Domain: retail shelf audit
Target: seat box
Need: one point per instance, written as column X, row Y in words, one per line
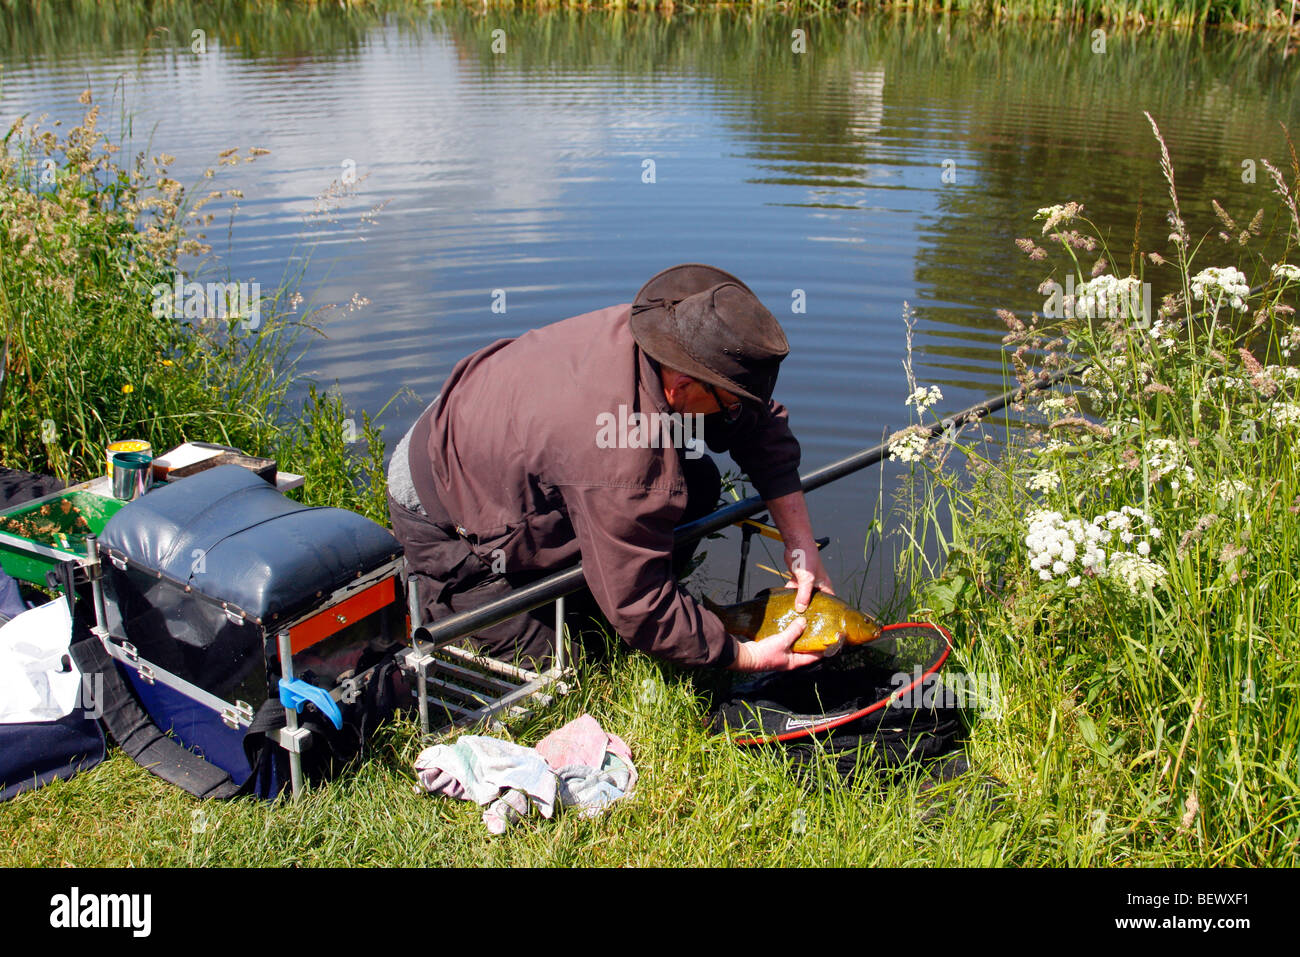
column 200, row 578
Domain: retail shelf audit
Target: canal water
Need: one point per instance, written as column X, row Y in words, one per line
column 447, row 177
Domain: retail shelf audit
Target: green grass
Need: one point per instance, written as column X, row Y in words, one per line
column 700, row 801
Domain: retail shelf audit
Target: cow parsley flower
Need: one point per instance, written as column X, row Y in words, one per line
column 1109, row 297
column 1231, row 488
column 1287, row 272
column 1164, row 456
column 1044, row 480
column 1285, row 415
column 908, row 446
column 924, row 398
column 1227, row 284
column 1135, row 572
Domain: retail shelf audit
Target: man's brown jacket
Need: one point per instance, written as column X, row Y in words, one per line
column 514, row 453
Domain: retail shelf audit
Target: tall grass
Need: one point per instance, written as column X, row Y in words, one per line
column 263, row 26
column 85, row 243
column 1148, row 681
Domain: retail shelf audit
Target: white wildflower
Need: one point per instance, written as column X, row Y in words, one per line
column 1165, row 456
column 1161, row 335
column 924, row 398
column 1044, row 480
column 1220, row 285
column 1285, row 415
column 1135, row 572
column 1288, row 341
column 1109, row 297
column 1231, row 488
column 1287, row 272
column 907, row 447
column 1074, row 582
column 1056, row 215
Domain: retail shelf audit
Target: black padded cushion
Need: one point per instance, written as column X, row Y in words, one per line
column 233, row 538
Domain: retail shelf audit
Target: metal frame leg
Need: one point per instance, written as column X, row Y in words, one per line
column 418, row 659
column 290, row 715
column 559, row 633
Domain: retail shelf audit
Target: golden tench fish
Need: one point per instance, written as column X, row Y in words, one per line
column 830, row 622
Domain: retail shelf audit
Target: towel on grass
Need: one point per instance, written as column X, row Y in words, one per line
column 504, row 778
column 578, row 765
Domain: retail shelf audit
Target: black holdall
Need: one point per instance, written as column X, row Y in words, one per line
column 201, row 577
column 878, row 706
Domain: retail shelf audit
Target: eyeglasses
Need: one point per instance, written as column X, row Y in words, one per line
column 730, row 413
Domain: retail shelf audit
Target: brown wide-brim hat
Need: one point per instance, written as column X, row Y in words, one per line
column 708, row 324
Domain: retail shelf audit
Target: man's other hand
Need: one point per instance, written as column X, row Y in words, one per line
column 806, row 579
column 773, row 652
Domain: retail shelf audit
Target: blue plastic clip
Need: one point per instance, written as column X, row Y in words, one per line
column 294, row 694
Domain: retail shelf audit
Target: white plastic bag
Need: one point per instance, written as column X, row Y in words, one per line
column 33, row 655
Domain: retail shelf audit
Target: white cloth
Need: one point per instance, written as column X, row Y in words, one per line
column 33, row 654
column 505, row 778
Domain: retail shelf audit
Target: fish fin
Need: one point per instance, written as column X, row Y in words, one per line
column 710, row 604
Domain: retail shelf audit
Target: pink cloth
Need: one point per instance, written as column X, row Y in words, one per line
column 582, row 741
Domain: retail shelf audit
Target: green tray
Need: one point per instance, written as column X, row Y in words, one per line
column 30, row 542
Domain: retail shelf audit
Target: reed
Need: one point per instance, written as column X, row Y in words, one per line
column 262, row 25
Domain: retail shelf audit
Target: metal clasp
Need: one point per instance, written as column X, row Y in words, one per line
column 240, row 713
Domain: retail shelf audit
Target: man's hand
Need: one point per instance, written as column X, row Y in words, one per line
column 790, row 512
column 808, row 575
column 773, row 652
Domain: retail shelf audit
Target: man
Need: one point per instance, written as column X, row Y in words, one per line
column 526, row 463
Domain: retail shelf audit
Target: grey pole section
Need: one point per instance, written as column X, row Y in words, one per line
column 559, row 633
column 421, row 659
column 571, row 579
column 290, row 715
